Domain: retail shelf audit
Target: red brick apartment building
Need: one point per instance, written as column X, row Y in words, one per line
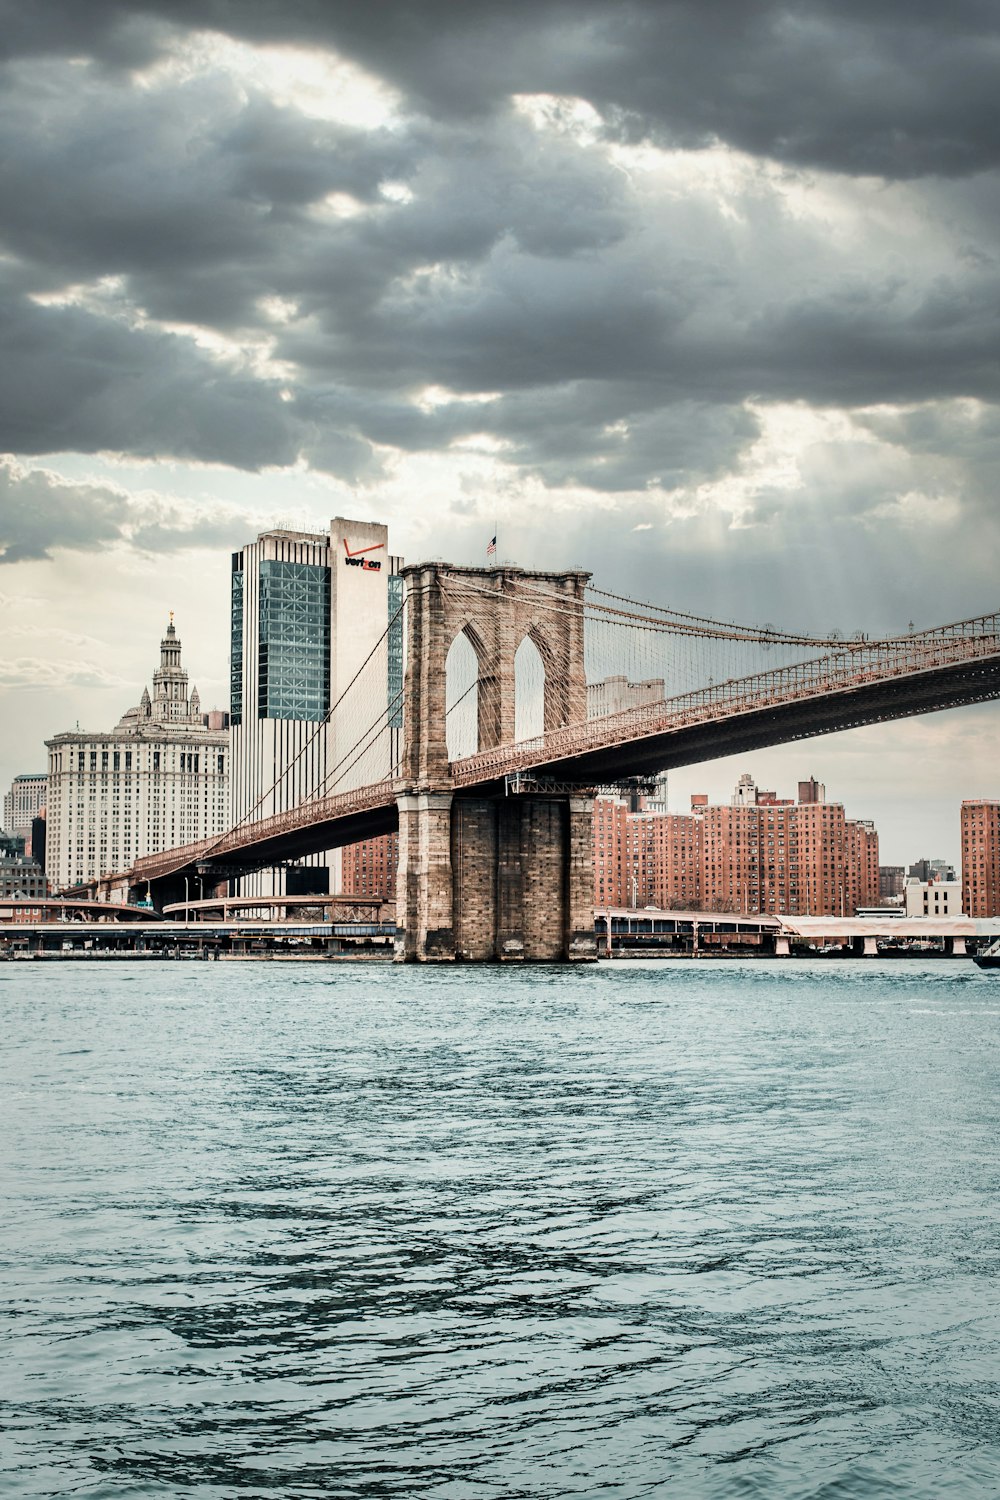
column 981, row 857
column 760, row 854
column 369, row 868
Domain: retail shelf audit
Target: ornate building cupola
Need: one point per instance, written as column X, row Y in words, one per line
column 145, row 706
column 170, row 682
column 170, row 648
column 195, row 707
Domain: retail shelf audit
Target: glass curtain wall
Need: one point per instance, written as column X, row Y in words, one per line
column 294, row 643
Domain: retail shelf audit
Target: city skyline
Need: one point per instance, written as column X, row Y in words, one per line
column 727, row 339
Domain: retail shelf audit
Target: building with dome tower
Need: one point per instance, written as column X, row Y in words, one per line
column 158, row 779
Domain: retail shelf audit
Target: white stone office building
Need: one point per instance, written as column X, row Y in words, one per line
column 23, row 802
column 308, row 611
column 614, row 695
column 158, row 779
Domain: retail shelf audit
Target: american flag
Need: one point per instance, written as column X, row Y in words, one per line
column 491, row 547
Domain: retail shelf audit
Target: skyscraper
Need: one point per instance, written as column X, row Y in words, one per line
column 317, row 677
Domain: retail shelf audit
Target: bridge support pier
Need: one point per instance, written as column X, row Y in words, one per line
column 424, row 895
column 495, row 879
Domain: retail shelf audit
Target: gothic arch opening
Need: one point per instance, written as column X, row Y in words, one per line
column 529, row 692
column 461, row 698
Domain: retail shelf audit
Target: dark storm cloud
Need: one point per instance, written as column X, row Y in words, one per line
column 545, row 324
column 959, row 444
column 71, row 380
column 195, row 193
column 893, row 88
column 40, row 515
column 620, row 334
column 886, row 341
column 37, row 515
column 763, row 312
column 573, row 436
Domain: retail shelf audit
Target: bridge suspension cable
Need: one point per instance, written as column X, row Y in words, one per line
column 321, row 724
column 677, row 622
column 351, row 757
column 626, row 642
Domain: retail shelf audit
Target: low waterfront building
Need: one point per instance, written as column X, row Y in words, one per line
column 933, row 898
column 160, row 778
column 21, row 876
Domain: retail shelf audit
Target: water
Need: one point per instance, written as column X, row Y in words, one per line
column 682, row 1229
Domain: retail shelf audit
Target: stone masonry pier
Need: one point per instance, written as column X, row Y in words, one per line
column 488, row 876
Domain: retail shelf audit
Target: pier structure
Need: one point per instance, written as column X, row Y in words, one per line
column 623, row 933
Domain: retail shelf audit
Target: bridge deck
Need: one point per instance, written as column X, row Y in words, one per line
column 956, row 665
column 814, row 697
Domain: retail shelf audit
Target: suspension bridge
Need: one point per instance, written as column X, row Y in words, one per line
column 525, row 691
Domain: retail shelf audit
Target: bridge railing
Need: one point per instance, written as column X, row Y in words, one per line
column 854, row 666
column 319, row 810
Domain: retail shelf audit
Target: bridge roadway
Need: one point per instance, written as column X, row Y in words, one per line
column 950, row 667
column 79, row 908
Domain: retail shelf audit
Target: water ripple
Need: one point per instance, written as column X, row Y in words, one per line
column 711, row 1229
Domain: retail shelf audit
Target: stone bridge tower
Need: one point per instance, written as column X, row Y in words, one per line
column 486, row 875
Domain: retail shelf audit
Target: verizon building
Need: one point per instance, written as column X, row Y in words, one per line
column 309, row 611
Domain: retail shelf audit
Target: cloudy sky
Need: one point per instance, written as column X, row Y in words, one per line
column 703, row 297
